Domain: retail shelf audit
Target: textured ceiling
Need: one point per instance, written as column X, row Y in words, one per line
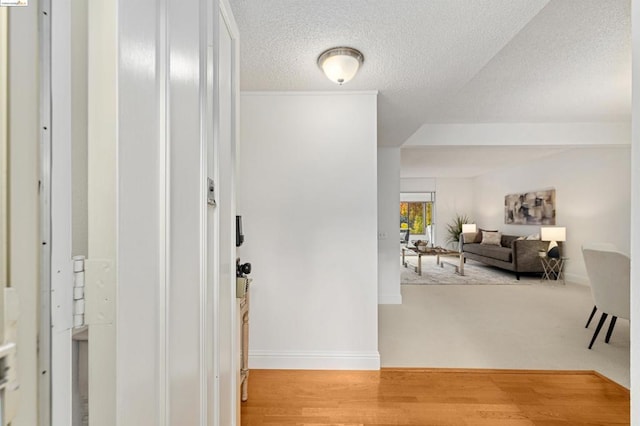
column 449, row 60
column 571, row 63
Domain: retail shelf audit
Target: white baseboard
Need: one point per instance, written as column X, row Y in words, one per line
column 390, row 299
column 269, row 360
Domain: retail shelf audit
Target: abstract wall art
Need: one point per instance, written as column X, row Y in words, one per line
column 531, row 208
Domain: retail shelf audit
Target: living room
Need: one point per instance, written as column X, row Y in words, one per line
column 592, row 186
column 545, row 318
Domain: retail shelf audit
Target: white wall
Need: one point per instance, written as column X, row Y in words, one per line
column 308, row 198
column 24, row 244
column 417, row 184
column 454, row 196
column 388, row 225
column 592, row 198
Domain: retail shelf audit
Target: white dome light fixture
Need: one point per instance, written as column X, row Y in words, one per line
column 340, row 64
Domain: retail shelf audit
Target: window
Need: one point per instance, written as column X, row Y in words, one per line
column 415, row 215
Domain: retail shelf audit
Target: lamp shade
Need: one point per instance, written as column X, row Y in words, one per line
column 340, row 64
column 553, row 233
column 468, row 227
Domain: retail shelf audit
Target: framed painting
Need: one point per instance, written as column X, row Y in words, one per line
column 531, row 208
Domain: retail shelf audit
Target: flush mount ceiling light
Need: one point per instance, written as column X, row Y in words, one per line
column 340, row 64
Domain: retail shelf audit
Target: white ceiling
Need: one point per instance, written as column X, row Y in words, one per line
column 450, row 61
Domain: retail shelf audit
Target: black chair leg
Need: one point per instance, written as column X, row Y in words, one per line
column 517, row 276
column 603, row 318
column 591, row 316
column 610, row 331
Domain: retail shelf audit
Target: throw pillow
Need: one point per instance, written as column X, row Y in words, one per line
column 533, row 237
column 491, row 238
column 468, row 237
column 520, row 238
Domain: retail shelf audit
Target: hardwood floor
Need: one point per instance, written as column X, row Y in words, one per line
column 434, row 397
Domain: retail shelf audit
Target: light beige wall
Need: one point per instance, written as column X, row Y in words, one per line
column 23, row 118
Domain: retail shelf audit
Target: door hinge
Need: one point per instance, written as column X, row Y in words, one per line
column 78, row 291
column 100, row 292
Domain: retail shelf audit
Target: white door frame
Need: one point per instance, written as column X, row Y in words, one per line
column 56, row 303
column 44, row 336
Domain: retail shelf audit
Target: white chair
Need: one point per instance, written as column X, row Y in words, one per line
column 609, row 275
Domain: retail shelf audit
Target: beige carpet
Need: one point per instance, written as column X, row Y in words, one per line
column 535, row 326
column 475, row 273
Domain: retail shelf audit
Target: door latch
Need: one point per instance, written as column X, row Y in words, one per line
column 211, row 192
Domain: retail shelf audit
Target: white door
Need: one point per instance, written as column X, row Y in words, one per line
column 224, row 170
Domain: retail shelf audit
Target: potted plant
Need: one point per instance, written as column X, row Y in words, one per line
column 454, row 229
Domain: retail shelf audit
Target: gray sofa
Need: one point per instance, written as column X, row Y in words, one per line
column 513, row 254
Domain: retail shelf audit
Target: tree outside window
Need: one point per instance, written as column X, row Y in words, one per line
column 415, row 215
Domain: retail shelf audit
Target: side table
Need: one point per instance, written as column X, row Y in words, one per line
column 553, row 268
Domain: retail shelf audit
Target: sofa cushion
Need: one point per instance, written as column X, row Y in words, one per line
column 494, row 252
column 491, row 238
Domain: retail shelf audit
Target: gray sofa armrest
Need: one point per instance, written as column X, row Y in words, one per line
column 525, row 255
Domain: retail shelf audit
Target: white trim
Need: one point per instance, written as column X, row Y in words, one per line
column 227, row 14
column 164, row 215
column 227, row 248
column 44, row 336
column 4, row 120
column 104, row 205
column 61, row 212
column 309, row 93
column 635, row 209
column 314, row 360
column 205, row 331
column 213, row 235
column 390, row 299
column 234, row 133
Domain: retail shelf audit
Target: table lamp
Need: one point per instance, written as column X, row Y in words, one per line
column 468, row 227
column 553, row 234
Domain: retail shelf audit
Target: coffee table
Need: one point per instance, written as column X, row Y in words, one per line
column 438, row 251
column 459, row 265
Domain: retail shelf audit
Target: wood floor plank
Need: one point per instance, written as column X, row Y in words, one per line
column 439, row 397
